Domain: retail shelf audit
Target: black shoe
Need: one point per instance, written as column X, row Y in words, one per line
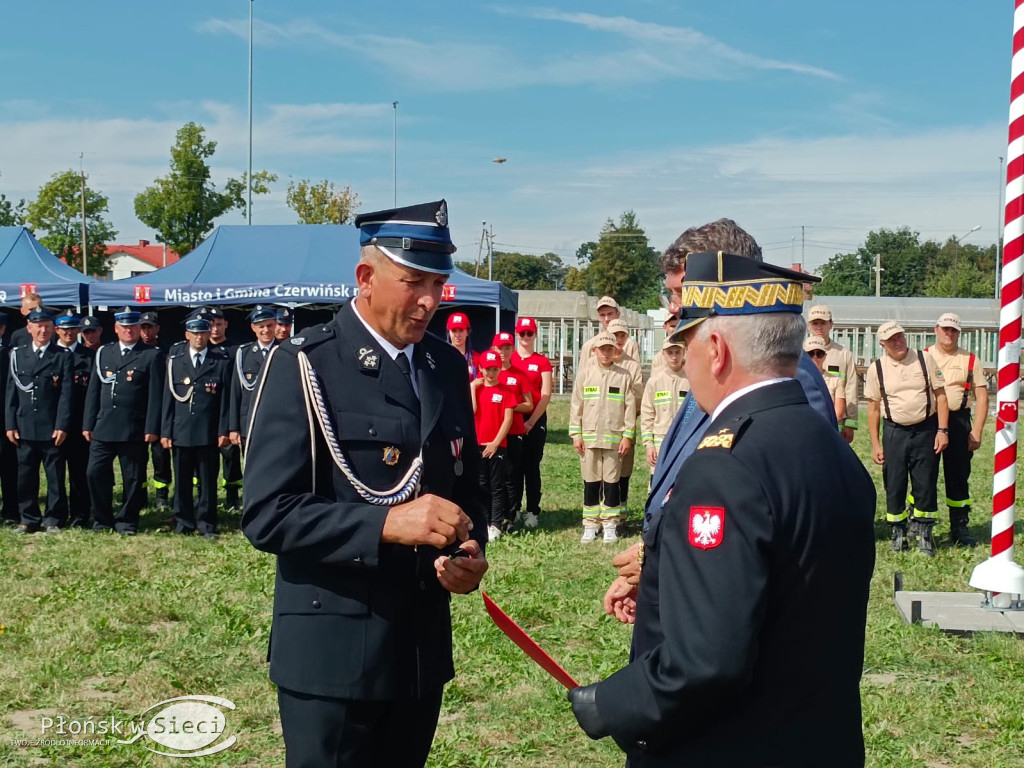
column 899, row 537
column 184, row 531
column 231, row 498
column 925, row 543
column 161, row 499
column 24, row 529
column 211, row 536
column 128, row 532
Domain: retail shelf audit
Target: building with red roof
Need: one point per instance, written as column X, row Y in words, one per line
column 132, row 260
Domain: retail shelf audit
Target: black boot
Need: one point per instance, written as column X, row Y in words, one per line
column 161, row 499
column 959, row 533
column 231, row 497
column 925, row 542
column 899, row 536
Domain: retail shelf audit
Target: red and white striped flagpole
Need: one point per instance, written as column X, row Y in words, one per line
column 1000, row 576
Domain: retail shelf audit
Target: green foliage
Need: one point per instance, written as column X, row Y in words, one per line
column 11, row 214
column 621, row 264
column 525, row 271
column 321, row 202
column 182, row 205
column 55, row 218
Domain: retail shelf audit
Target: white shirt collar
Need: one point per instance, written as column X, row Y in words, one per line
column 70, row 346
column 387, row 346
column 745, row 390
column 125, row 346
column 36, row 350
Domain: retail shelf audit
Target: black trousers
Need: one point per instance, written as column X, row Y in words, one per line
column 492, row 480
column 161, row 465
column 345, row 733
column 533, row 454
column 514, row 476
column 9, row 480
column 200, row 462
column 956, row 461
column 232, row 456
column 100, row 476
column 32, row 453
column 75, row 453
column 910, row 454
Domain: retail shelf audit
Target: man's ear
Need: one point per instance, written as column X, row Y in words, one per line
column 718, row 352
column 364, row 273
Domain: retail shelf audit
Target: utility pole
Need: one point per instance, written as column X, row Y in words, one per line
column 248, row 204
column 490, row 254
column 803, row 247
column 878, row 275
column 480, row 249
column 85, row 250
column 394, row 144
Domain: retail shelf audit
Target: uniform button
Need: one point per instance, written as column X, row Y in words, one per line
column 316, row 603
column 373, row 431
column 426, row 444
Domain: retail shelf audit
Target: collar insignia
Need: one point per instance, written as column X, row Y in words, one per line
column 723, row 439
column 297, row 340
column 430, row 362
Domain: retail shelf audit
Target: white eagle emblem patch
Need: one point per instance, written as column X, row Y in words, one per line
column 706, row 525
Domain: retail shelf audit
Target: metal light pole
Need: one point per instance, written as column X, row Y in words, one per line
column 956, row 253
column 248, row 201
column 394, row 141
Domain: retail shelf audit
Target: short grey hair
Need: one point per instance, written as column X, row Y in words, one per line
column 766, row 345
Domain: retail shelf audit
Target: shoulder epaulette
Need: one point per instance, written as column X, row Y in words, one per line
column 727, row 436
column 309, row 338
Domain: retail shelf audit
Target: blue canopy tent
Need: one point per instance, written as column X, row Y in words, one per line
column 27, row 267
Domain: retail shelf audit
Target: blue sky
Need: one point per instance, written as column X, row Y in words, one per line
column 836, row 117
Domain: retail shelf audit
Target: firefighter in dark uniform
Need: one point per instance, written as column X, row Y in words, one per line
column 771, row 514
column 122, row 415
column 905, row 388
column 195, row 424
column 149, row 327
column 231, row 454
column 285, row 323
column 75, row 450
column 8, row 453
column 92, row 332
column 38, row 419
column 361, row 476
column 962, row 375
column 245, row 369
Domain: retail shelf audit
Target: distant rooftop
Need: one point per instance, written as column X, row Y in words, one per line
column 911, row 313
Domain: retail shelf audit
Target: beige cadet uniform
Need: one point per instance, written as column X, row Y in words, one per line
column 663, row 397
column 632, row 365
column 839, row 361
column 630, row 349
column 835, row 385
column 909, row 411
column 959, row 376
column 658, row 362
column 602, row 412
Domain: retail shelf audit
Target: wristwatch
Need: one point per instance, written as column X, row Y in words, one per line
column 944, row 430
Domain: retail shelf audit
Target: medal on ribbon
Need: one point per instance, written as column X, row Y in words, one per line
column 457, row 453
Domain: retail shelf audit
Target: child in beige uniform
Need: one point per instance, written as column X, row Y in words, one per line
column 817, row 348
column 663, row 397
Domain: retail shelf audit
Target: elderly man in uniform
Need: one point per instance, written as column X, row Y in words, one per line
column 75, row 451
column 194, row 424
column 38, row 419
column 245, row 370
column 122, row 414
column 362, row 479
column 8, row 453
column 691, row 422
column 729, row 667
column 285, row 321
column 839, row 361
column 962, row 374
column 905, row 387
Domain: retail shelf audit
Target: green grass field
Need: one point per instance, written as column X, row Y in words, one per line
column 105, row 626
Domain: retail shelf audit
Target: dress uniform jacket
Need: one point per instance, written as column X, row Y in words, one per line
column 663, row 397
column 81, row 361
column 603, row 407
column 355, row 618
column 839, row 362
column 245, row 371
column 748, row 647
column 195, row 403
column 128, row 407
column 47, row 405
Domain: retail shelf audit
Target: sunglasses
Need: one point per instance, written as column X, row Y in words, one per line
column 816, row 353
column 527, row 333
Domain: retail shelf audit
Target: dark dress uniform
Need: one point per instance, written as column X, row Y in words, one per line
column 245, row 371
column 195, row 414
column 359, row 627
column 231, row 455
column 160, row 456
column 8, row 452
column 748, row 646
column 122, row 407
column 39, row 402
column 76, row 448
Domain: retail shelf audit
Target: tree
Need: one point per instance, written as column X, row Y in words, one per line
column 321, row 203
column 622, row 264
column 966, row 272
column 11, row 214
column 846, row 274
column 57, row 214
column 182, row 205
column 905, row 265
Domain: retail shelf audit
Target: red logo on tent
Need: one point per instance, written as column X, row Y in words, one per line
column 143, row 293
column 27, row 288
column 448, row 292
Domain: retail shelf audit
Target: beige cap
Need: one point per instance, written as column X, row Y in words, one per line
column 617, row 326
column 887, row 330
column 949, row 320
column 819, row 312
column 607, row 301
column 815, row 342
column 669, row 343
column 603, row 339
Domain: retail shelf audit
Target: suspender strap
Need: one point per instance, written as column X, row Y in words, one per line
column 881, row 388
column 970, row 381
column 927, row 385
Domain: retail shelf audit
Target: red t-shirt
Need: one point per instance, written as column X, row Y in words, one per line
column 515, row 380
column 491, row 404
column 533, row 366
